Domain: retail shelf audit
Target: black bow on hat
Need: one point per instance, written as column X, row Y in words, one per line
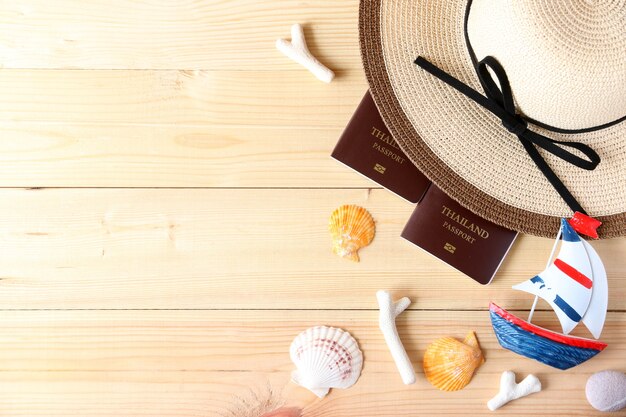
column 499, row 101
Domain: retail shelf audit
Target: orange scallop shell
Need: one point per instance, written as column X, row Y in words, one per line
column 351, row 227
column 450, row 364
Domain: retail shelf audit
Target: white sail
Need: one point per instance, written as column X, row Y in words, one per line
column 567, row 283
column 596, row 312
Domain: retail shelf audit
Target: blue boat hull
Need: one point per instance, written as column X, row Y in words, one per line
column 556, row 354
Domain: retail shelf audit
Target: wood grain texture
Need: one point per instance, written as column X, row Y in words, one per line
column 173, row 279
column 191, row 34
column 105, row 155
column 197, row 363
column 188, row 248
column 224, row 394
column 173, row 128
column 292, row 99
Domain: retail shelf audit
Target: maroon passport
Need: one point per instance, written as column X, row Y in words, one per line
column 367, row 147
column 463, row 240
column 439, row 225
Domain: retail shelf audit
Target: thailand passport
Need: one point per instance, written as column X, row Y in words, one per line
column 463, row 240
column 439, row 225
column 367, row 147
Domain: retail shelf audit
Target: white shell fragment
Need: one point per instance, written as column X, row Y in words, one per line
column 325, row 357
column 387, row 322
column 510, row 391
column 299, row 52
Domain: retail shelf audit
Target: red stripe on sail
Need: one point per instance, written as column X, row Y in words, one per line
column 573, row 273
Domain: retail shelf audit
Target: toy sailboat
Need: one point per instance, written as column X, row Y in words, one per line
column 574, row 284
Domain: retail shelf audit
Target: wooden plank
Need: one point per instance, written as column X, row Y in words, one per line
column 104, row 155
column 234, row 249
column 223, row 394
column 189, row 363
column 153, row 34
column 197, row 97
column 233, row 341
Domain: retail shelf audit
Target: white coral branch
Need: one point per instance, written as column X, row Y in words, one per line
column 510, row 391
column 298, row 51
column 387, row 321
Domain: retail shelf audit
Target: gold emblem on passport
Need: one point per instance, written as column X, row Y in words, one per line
column 379, row 168
column 450, row 248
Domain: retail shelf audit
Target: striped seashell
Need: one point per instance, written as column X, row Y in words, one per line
column 325, row 357
column 352, row 227
column 450, row 364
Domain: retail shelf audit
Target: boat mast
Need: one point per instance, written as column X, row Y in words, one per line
column 556, row 241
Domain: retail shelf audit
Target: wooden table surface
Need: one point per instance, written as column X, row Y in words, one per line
column 166, row 185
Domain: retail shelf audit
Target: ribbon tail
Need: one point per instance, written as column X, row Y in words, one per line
column 554, row 180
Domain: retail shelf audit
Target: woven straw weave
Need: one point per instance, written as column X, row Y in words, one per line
column 568, row 70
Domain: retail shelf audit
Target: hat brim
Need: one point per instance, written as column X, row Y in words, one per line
column 500, row 207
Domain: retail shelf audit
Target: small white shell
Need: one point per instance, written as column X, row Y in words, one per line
column 325, row 357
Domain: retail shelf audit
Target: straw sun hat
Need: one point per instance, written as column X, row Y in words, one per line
column 515, row 108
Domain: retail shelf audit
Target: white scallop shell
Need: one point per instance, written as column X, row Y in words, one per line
column 325, row 357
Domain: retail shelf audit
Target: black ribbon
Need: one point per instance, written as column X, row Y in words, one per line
column 499, row 101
